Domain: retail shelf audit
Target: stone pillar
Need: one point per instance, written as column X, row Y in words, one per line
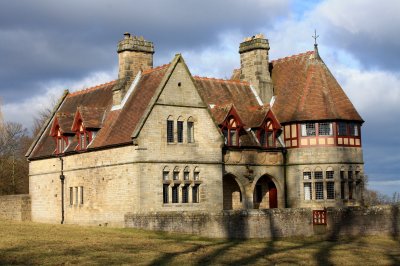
column 254, row 66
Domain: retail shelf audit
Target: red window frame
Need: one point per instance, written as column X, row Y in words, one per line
column 231, row 130
column 84, row 137
column 267, row 128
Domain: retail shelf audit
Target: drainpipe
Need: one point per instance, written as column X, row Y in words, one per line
column 62, row 178
column 284, row 153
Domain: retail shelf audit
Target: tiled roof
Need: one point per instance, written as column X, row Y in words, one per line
column 94, row 105
column 220, row 95
column 304, row 87
column 306, row 90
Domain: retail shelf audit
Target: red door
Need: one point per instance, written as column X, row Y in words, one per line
column 273, row 195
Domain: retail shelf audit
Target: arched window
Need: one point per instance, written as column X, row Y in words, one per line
column 165, row 175
column 231, row 132
column 190, row 130
column 179, row 129
column 266, row 135
column 170, row 129
column 175, row 174
column 186, row 173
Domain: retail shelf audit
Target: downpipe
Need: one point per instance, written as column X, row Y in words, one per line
column 62, row 178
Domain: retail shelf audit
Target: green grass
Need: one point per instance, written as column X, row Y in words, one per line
column 44, row 244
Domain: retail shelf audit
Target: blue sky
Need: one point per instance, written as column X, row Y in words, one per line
column 47, row 47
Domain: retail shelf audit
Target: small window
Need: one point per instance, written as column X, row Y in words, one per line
column 319, row 190
column 306, row 175
column 330, row 190
column 165, row 175
column 318, row 175
column 185, row 194
column 186, row 173
column 350, row 190
column 263, row 138
column 81, row 195
column 170, row 131
column 195, row 194
column 350, row 175
column 353, row 129
column 329, row 174
column 342, row 174
column 175, row 194
column 76, row 195
column 307, row 191
column 176, row 175
column 196, row 174
column 190, row 132
column 342, row 188
column 71, row 196
column 308, row 129
column 325, row 129
column 179, row 127
column 342, row 129
column 165, row 193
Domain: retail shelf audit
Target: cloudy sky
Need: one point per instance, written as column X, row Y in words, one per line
column 46, row 47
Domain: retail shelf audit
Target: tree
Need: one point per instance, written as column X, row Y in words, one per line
column 13, row 165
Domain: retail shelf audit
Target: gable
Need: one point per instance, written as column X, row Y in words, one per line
column 180, row 89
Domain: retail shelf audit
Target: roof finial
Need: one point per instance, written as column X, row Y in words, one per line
column 315, row 44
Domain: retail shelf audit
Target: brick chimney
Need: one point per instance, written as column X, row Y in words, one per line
column 134, row 54
column 254, row 66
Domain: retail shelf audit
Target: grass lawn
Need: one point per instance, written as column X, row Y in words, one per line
column 33, row 243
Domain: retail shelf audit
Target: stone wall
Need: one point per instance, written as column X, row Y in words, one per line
column 273, row 223
column 15, row 207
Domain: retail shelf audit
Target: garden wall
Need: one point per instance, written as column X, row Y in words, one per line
column 274, row 223
column 15, row 207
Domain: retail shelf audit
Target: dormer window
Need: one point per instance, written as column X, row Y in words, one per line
column 61, row 142
column 231, row 132
column 266, row 135
column 84, row 137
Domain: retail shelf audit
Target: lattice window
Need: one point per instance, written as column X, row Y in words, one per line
column 165, row 193
column 307, row 191
column 330, row 190
column 307, row 175
column 329, row 174
column 342, row 129
column 195, row 194
column 170, row 131
column 179, row 127
column 318, row 175
column 319, row 217
column 353, row 129
column 190, row 131
column 308, row 129
column 175, row 194
column 319, row 190
column 325, row 129
column 185, row 194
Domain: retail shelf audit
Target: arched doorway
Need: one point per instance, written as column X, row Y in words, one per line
column 265, row 194
column 232, row 195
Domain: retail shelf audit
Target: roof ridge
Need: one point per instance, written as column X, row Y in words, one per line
column 291, row 57
column 222, row 80
column 90, row 89
column 150, row 70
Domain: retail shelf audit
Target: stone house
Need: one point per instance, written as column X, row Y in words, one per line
column 278, row 134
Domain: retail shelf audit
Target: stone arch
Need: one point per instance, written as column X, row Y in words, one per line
column 232, row 193
column 265, row 193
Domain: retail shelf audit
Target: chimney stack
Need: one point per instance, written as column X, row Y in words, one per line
column 134, row 54
column 254, row 66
